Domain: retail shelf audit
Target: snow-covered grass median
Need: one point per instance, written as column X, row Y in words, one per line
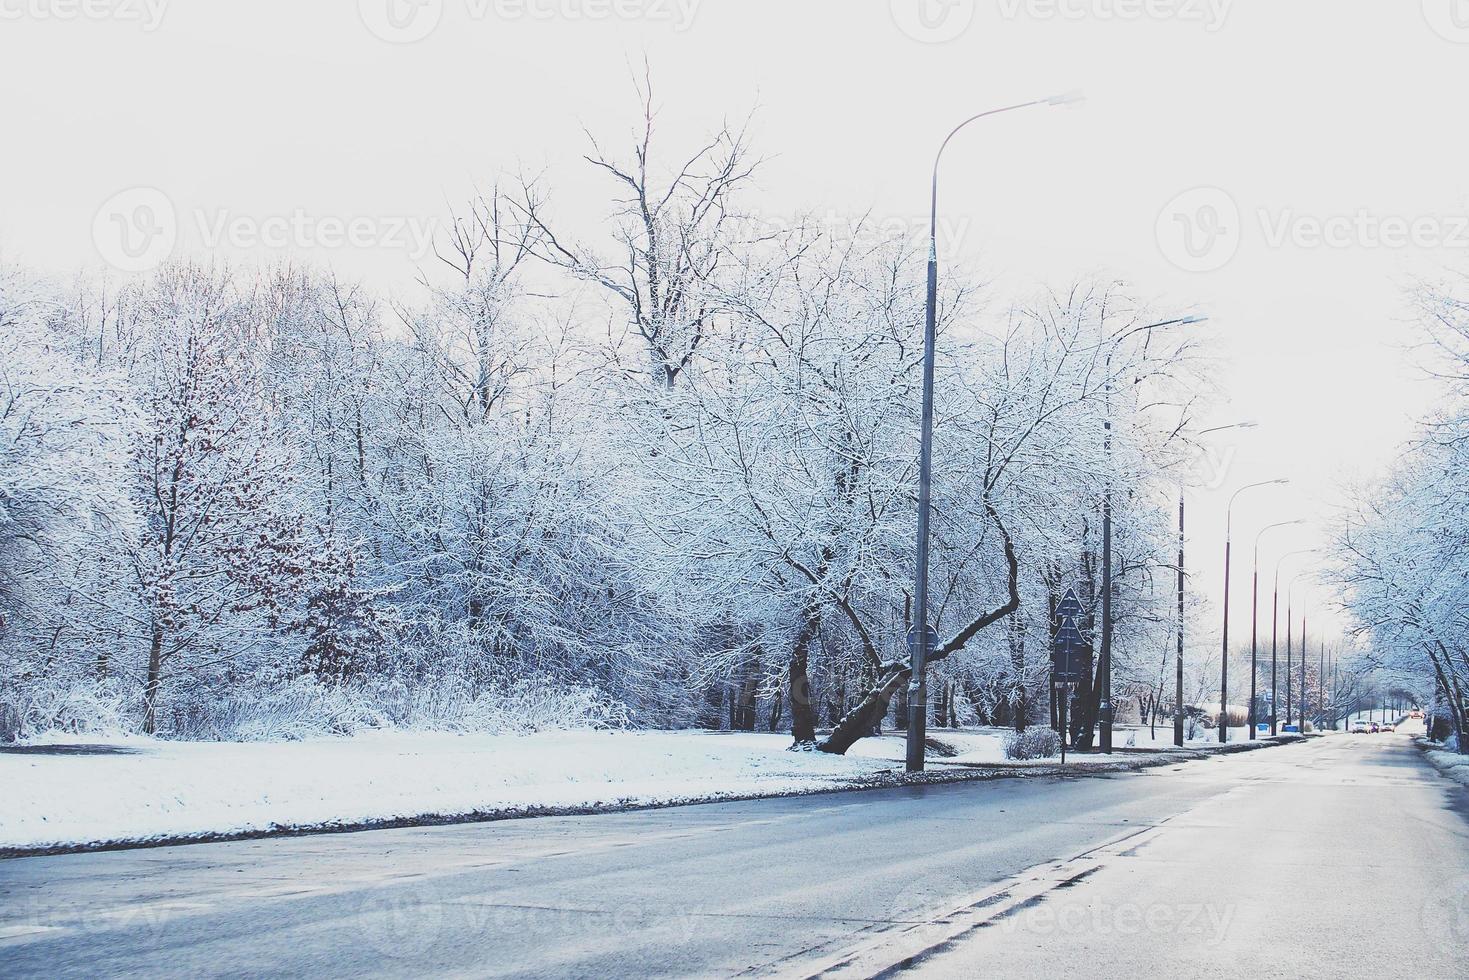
column 60, row 792
column 137, row 789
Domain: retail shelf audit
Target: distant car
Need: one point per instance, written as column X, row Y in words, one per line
column 1361, row 728
column 1388, row 726
column 1416, row 715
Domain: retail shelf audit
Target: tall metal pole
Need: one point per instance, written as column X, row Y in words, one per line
column 1255, row 628
column 1321, row 683
column 917, row 688
column 1288, row 663
column 1274, row 631
column 1224, row 659
column 1303, row 669
column 1104, row 665
column 1274, row 635
column 1254, row 634
column 1178, row 665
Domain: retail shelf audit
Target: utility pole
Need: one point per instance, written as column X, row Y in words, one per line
column 1178, row 664
column 1274, row 632
column 1303, row 671
column 1224, row 660
column 1255, row 637
column 1289, row 624
column 1104, row 656
column 917, row 690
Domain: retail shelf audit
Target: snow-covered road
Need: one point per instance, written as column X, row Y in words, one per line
column 1345, row 857
column 1337, row 840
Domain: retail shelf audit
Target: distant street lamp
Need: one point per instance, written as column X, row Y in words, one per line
column 1104, row 654
column 1290, row 589
column 1255, row 619
column 917, row 691
column 1274, row 633
column 1178, row 660
column 1228, row 546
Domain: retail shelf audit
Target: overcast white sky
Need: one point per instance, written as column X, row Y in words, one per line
column 1286, row 115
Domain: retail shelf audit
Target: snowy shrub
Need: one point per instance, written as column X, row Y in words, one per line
column 508, row 708
column 297, row 709
column 1033, row 743
column 78, row 707
column 306, row 707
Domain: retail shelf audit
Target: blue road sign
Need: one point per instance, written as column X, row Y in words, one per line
column 1068, row 651
column 933, row 641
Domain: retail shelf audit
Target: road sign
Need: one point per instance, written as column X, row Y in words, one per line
column 1068, row 651
column 932, row 645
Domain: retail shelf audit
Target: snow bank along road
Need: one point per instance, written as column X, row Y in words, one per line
column 1342, row 855
column 59, row 795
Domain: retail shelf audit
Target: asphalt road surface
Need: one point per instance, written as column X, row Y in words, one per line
column 1346, row 856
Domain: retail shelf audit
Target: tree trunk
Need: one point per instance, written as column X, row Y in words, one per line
column 742, row 707
column 803, row 712
column 154, row 680
column 859, row 722
column 1018, row 701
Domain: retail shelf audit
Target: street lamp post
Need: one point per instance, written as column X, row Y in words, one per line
column 1274, row 633
column 1255, row 620
column 1104, row 654
column 1228, row 547
column 1302, row 714
column 1178, row 660
column 1321, row 683
column 1289, row 643
column 917, row 691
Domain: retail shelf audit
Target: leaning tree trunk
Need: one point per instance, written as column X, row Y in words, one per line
column 869, row 712
column 873, row 707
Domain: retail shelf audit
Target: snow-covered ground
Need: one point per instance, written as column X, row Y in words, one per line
column 139, row 789
column 66, row 791
column 1161, row 737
